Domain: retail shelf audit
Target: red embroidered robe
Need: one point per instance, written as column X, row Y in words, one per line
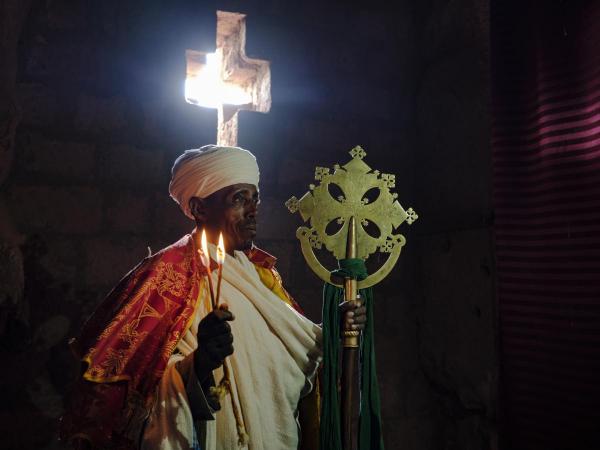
column 127, row 342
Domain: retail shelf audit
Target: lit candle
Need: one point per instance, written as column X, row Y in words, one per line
column 205, row 257
column 220, row 262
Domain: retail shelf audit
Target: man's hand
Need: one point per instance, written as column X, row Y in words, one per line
column 354, row 316
column 215, row 342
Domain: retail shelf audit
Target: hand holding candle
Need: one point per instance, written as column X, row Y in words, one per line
column 221, row 311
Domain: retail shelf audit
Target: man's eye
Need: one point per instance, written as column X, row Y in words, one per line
column 241, row 199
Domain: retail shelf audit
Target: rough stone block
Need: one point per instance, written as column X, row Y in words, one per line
column 365, row 96
column 108, row 260
column 88, row 298
column 9, row 121
column 345, row 59
column 294, row 173
column 463, row 23
column 100, row 115
column 275, row 221
column 11, row 275
column 64, row 161
column 392, row 377
column 415, row 433
column 47, row 61
column 152, row 112
column 128, row 165
column 16, row 424
column 328, row 141
column 454, row 161
column 457, row 316
column 168, row 222
column 41, row 107
column 66, row 15
column 63, row 260
column 76, row 210
column 401, row 381
column 396, row 330
column 45, row 397
column 128, row 212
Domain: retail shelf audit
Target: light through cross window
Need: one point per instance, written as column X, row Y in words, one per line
column 207, row 88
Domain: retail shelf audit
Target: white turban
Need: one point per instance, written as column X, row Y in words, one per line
column 203, row 171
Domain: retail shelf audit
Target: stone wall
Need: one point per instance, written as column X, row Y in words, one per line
column 99, row 86
column 455, row 312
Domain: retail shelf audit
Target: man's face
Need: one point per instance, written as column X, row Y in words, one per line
column 232, row 211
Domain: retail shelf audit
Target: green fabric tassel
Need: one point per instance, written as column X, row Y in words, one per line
column 369, row 434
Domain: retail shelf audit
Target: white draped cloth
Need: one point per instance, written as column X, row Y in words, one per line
column 276, row 355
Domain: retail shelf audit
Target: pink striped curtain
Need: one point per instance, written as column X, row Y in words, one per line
column 546, row 163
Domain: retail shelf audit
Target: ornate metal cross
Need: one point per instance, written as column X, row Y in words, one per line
column 227, row 79
column 354, row 180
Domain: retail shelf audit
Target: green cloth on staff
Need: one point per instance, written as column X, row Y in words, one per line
column 369, row 434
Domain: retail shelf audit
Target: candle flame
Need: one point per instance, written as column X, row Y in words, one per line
column 204, row 254
column 221, row 250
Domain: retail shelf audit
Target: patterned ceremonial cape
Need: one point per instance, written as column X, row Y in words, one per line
column 127, row 342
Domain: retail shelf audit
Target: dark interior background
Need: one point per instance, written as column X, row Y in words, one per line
column 92, row 116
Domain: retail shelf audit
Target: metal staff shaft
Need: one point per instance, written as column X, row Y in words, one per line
column 350, row 348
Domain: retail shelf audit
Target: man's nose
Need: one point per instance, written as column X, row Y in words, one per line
column 251, row 209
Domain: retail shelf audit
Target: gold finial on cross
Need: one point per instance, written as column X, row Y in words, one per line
column 227, row 79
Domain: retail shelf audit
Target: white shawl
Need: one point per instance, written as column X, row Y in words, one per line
column 276, row 354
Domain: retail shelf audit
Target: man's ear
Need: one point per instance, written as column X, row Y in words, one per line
column 198, row 209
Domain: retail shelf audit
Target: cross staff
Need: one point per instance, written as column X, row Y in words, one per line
column 227, row 79
column 351, row 244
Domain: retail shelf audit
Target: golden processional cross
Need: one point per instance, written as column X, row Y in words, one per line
column 320, row 208
column 366, row 224
column 227, row 79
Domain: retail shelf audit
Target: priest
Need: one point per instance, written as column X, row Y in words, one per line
column 153, row 353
